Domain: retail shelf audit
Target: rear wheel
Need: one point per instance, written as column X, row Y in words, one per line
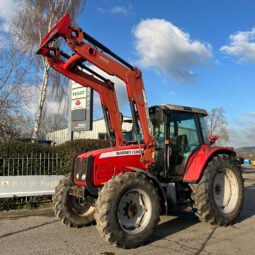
column 71, row 210
column 127, row 210
column 218, row 197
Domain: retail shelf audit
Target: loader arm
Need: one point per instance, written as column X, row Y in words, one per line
column 73, row 68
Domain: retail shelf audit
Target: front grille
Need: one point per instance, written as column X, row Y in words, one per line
column 80, row 165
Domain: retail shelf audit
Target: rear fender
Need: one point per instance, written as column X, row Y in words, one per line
column 198, row 161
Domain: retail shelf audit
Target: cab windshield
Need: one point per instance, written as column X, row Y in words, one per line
column 130, row 136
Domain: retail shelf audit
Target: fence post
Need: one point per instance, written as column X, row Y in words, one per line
column 27, row 165
column 22, row 165
column 56, row 163
column 31, row 163
column 18, row 165
column 44, row 163
column 4, row 167
column 48, row 161
column 8, row 169
column 40, row 163
column 13, row 168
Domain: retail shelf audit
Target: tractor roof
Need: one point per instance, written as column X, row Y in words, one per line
column 183, row 108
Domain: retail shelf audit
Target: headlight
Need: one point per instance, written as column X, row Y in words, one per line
column 83, row 177
column 77, row 176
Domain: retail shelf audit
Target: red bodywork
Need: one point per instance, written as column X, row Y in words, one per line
column 198, row 160
column 107, row 163
column 113, row 161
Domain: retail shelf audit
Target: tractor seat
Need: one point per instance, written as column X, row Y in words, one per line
column 181, row 143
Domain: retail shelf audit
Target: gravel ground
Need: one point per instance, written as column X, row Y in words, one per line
column 39, row 232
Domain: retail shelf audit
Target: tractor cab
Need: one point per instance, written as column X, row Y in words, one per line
column 179, row 131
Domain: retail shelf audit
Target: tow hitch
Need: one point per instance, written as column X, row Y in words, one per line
column 77, row 191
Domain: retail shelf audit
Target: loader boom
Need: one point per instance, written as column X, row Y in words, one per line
column 109, row 62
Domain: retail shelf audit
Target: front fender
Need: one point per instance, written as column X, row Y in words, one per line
column 199, row 159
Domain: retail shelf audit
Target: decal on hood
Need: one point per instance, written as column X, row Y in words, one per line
column 120, row 153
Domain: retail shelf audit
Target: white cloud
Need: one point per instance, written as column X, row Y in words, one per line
column 116, row 10
column 242, row 46
column 101, row 10
column 243, row 136
column 120, row 88
column 163, row 45
column 119, row 10
column 52, row 105
column 252, row 114
column 7, row 9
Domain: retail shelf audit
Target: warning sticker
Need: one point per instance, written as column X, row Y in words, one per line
column 5, row 184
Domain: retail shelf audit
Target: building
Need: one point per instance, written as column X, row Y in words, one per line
column 98, row 132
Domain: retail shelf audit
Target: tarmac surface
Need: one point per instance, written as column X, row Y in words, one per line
column 39, row 232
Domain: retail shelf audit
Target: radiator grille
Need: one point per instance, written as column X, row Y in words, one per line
column 80, row 165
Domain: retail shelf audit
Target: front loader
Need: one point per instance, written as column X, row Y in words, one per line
column 166, row 162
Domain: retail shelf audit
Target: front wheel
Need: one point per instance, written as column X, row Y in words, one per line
column 127, row 210
column 219, row 195
column 71, row 210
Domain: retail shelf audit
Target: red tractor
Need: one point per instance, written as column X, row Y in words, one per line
column 165, row 162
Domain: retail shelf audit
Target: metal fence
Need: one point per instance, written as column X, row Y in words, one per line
column 31, row 164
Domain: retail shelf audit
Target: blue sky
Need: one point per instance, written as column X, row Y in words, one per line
column 191, row 52
column 224, row 78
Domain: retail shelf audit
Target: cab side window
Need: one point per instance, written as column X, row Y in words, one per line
column 184, row 140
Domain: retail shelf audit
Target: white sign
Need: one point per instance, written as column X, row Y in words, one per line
column 76, row 85
column 5, row 184
column 79, row 125
column 28, row 185
column 79, row 104
column 79, row 93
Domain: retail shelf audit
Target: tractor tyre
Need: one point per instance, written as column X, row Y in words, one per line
column 218, row 196
column 127, row 210
column 71, row 210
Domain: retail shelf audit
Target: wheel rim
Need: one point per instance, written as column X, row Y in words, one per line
column 79, row 207
column 134, row 211
column 226, row 190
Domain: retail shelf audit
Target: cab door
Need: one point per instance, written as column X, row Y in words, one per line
column 184, row 140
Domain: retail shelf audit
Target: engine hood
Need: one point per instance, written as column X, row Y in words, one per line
column 112, row 161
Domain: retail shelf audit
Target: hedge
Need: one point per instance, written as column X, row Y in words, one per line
column 70, row 149
column 65, row 152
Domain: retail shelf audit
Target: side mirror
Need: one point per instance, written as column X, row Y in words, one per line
column 159, row 115
column 213, row 139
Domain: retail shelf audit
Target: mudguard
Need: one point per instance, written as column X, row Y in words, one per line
column 199, row 158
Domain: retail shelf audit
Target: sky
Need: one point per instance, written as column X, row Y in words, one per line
column 191, row 52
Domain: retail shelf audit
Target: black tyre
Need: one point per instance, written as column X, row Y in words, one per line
column 127, row 210
column 71, row 210
column 219, row 195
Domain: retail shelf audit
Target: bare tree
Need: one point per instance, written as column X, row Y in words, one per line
column 33, row 21
column 217, row 125
column 14, row 80
column 52, row 122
